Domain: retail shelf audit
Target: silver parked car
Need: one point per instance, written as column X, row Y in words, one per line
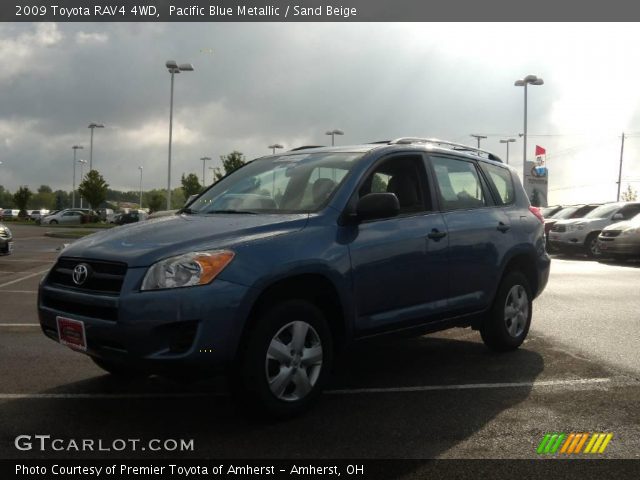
column 65, row 217
column 6, row 240
column 621, row 240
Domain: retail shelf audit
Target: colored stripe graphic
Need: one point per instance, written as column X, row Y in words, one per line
column 573, row 443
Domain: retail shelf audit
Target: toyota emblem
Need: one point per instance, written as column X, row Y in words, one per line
column 80, row 273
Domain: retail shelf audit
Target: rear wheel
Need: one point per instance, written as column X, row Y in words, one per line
column 286, row 361
column 508, row 322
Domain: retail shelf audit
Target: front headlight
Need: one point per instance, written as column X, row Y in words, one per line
column 195, row 268
column 573, row 228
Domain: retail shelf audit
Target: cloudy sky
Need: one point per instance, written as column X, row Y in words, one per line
column 256, row 84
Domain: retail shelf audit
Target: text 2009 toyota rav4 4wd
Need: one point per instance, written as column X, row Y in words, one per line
column 288, row 259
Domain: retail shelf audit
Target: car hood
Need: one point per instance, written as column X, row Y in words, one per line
column 621, row 225
column 141, row 244
column 584, row 221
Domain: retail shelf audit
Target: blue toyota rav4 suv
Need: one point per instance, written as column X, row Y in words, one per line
column 285, row 261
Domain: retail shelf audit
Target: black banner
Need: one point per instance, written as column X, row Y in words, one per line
column 289, row 469
column 318, row 11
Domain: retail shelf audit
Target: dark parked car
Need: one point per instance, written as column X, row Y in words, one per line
column 129, row 217
column 6, row 240
column 293, row 256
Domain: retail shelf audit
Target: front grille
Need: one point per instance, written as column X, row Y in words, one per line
column 559, row 228
column 104, row 277
column 611, row 233
column 76, row 307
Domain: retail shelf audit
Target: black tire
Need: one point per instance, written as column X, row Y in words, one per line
column 53, row 222
column 118, row 369
column 591, row 245
column 250, row 380
column 499, row 332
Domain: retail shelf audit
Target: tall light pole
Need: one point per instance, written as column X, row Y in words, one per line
column 528, row 80
column 333, row 133
column 73, row 190
column 92, row 126
column 478, row 138
column 204, row 159
column 273, row 147
column 140, row 168
column 173, row 68
column 82, row 164
column 508, row 141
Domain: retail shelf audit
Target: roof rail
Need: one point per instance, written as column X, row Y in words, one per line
column 304, row 147
column 454, row 146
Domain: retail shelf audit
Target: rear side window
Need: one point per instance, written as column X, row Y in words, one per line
column 459, row 184
column 502, row 182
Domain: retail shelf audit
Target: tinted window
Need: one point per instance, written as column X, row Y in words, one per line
column 502, row 181
column 459, row 184
column 630, row 211
column 402, row 176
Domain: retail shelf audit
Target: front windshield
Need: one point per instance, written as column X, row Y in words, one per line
column 564, row 213
column 603, row 211
column 297, row 183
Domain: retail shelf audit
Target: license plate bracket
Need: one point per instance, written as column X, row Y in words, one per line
column 72, row 333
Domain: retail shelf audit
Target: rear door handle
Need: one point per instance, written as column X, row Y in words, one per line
column 503, row 227
column 436, row 235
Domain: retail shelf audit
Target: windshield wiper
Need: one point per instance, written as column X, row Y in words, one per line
column 246, row 212
column 188, row 211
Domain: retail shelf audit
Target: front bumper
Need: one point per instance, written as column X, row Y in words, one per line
column 619, row 246
column 186, row 330
column 567, row 240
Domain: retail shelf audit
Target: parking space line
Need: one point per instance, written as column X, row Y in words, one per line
column 25, row 260
column 23, row 278
column 11, row 325
column 18, row 291
column 472, row 386
column 118, row 396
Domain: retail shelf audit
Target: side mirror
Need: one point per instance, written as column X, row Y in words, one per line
column 618, row 216
column 377, row 205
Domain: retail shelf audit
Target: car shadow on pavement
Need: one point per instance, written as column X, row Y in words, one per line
column 343, row 424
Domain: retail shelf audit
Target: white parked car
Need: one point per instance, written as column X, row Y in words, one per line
column 38, row 214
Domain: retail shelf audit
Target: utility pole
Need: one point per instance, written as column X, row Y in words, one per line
column 620, row 169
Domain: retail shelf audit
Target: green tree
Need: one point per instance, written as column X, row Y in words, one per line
column 94, row 189
column 61, row 200
column 629, row 195
column 535, row 198
column 156, row 201
column 190, row 185
column 21, row 198
column 230, row 162
column 45, row 198
column 6, row 199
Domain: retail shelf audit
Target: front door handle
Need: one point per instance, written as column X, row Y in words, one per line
column 503, row 227
column 436, row 235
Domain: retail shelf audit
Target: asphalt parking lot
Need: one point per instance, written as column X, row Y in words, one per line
column 439, row 396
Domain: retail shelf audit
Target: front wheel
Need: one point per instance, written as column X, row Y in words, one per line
column 53, row 222
column 507, row 324
column 286, row 361
column 591, row 245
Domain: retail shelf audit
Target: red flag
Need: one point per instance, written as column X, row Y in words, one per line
column 540, row 151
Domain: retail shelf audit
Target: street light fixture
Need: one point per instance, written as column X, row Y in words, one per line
column 528, row 80
column 140, row 168
column 508, row 141
column 333, row 133
column 173, row 68
column 82, row 164
column 204, row 159
column 479, row 137
column 274, row 146
column 73, row 190
column 93, row 126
